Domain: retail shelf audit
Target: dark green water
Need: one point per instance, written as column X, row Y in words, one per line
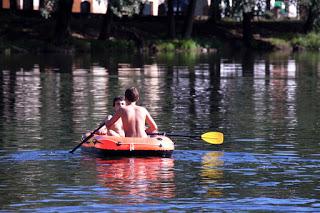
column 266, row 105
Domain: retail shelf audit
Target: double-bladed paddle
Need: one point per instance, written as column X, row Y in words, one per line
column 87, row 138
column 209, row 137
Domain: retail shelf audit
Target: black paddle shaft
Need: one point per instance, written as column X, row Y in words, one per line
column 87, row 138
column 174, row 135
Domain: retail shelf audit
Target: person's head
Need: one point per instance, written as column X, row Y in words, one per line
column 131, row 94
column 118, row 102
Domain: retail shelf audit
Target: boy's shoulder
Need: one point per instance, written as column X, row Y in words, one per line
column 140, row 108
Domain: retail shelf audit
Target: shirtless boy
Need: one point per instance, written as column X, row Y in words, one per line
column 133, row 117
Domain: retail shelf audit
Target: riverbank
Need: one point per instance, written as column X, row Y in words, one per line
column 29, row 32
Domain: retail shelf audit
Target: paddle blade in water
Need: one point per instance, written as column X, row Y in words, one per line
column 213, row 137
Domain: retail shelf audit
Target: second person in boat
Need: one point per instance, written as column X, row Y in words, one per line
column 117, row 128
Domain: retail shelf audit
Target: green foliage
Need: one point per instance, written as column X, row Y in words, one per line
column 166, row 46
column 188, row 44
column 278, row 41
column 173, row 45
column 81, row 45
column 313, row 6
column 187, row 57
column 310, row 41
column 49, row 6
column 209, row 42
column 113, row 45
column 118, row 7
column 124, row 7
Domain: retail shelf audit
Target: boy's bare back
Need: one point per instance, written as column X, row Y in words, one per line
column 134, row 119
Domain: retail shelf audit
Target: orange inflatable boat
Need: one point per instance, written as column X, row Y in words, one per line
column 103, row 145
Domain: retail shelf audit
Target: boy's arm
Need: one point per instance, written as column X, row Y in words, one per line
column 104, row 130
column 114, row 119
column 151, row 123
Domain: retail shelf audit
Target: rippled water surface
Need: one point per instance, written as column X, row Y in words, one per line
column 267, row 106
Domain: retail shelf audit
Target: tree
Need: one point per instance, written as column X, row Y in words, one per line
column 13, row 5
column 171, row 20
column 62, row 10
column 27, row 4
column 248, row 8
column 227, row 11
column 236, row 7
column 215, row 11
column 117, row 8
column 125, row 7
column 41, row 4
column 268, row 5
column 62, row 29
column 188, row 24
column 106, row 24
column 313, row 12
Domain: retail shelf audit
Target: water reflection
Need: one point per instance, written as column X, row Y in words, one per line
column 70, row 95
column 266, row 105
column 138, row 179
column 212, row 174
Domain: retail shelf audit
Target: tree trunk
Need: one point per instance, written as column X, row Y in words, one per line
column 235, row 5
column 268, row 5
column 106, row 24
column 308, row 25
column 178, row 11
column 171, row 20
column 13, row 5
column 141, row 8
column 215, row 13
column 62, row 28
column 188, row 25
column 41, row 4
column 27, row 4
column 227, row 11
column 246, row 28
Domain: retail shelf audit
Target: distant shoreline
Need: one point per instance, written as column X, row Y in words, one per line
column 28, row 32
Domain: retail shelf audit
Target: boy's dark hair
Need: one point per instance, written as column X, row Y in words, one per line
column 132, row 94
column 118, row 98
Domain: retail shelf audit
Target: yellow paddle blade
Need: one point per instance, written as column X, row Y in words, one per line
column 213, row 137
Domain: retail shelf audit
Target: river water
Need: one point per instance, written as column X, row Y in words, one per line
column 267, row 106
